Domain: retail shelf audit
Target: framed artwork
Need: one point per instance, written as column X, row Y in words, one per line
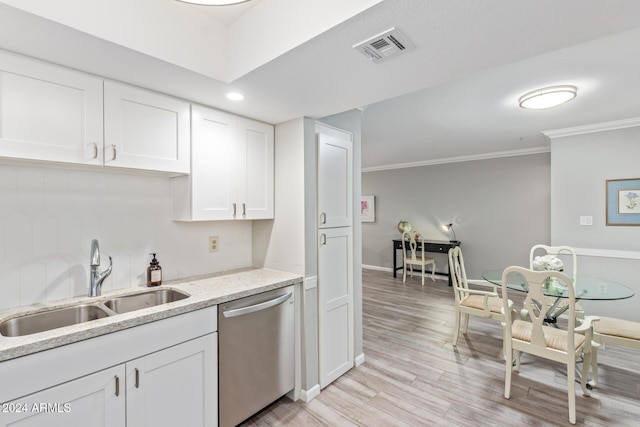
column 623, row 201
column 368, row 208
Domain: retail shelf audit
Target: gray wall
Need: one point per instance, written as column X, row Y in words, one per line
column 580, row 166
column 499, row 208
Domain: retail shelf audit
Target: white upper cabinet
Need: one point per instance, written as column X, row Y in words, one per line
column 145, row 130
column 231, row 169
column 335, row 171
column 49, row 113
column 255, row 148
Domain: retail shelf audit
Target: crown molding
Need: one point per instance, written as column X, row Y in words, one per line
column 598, row 127
column 485, row 156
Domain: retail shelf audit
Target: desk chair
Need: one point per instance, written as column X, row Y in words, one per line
column 608, row 330
column 532, row 336
column 412, row 256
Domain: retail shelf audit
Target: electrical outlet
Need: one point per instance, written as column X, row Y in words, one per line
column 586, row 220
column 214, row 244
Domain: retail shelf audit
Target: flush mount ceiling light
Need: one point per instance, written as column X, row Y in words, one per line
column 235, row 96
column 213, row 2
column 548, row 97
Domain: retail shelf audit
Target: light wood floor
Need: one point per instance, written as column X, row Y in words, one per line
column 413, row 376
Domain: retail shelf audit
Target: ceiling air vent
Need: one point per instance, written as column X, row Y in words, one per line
column 384, row 45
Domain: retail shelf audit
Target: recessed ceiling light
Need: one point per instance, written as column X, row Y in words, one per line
column 548, row 97
column 213, row 2
column 235, row 96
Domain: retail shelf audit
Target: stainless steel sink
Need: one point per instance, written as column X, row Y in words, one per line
column 51, row 319
column 47, row 320
column 127, row 303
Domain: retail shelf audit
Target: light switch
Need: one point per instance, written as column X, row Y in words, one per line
column 586, row 220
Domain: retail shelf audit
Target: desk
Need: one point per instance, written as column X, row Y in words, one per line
column 586, row 288
column 437, row 246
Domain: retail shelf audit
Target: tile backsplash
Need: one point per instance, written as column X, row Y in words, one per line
column 48, row 217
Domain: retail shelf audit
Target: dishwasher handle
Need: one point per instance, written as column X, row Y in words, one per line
column 256, row 307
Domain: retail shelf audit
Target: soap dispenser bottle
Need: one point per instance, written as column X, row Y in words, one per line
column 154, row 272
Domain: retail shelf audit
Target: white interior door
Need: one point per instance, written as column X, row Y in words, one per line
column 335, row 295
column 335, row 171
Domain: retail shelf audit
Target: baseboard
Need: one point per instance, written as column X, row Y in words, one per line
column 375, row 267
column 307, row 395
column 360, row 359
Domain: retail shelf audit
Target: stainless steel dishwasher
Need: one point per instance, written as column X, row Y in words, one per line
column 255, row 353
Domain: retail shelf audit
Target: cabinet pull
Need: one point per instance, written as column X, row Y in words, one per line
column 323, row 239
column 137, row 378
column 113, row 146
column 117, row 386
column 234, row 209
column 95, row 150
column 323, row 218
column 244, row 209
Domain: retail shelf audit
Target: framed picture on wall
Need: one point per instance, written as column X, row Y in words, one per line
column 623, row 201
column 368, row 208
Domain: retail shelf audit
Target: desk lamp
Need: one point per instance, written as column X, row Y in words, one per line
column 449, row 227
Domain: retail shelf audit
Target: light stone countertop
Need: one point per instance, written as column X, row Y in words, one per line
column 204, row 292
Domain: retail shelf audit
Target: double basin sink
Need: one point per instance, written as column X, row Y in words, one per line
column 84, row 312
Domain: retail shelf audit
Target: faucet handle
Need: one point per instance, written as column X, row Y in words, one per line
column 95, row 253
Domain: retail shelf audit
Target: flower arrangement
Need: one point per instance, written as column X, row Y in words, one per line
column 547, row 262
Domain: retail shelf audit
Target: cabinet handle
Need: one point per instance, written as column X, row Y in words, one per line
column 95, row 150
column 115, row 153
column 323, row 239
column 244, row 209
column 234, row 209
column 323, row 218
column 117, row 386
column 137, row 378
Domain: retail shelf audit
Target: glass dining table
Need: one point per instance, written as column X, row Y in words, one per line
column 586, row 288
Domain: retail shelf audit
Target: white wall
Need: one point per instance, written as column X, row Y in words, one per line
column 48, row 217
column 580, row 165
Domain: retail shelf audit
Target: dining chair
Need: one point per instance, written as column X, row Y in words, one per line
column 412, row 256
column 532, row 336
column 475, row 302
column 564, row 252
column 609, row 330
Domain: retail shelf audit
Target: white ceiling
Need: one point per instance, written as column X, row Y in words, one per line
column 452, row 98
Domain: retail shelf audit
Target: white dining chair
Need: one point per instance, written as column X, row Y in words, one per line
column 472, row 302
column 565, row 253
column 609, row 330
column 414, row 256
column 532, row 336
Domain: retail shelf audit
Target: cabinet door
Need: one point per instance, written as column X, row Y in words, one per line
column 48, row 112
column 95, row 400
column 145, row 130
column 175, row 387
column 213, row 175
column 335, row 171
column 335, row 299
column 255, row 148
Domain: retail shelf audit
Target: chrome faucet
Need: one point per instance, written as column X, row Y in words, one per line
column 96, row 277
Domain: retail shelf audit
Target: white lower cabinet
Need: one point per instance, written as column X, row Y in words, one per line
column 162, row 374
column 171, row 387
column 175, row 387
column 94, row 400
